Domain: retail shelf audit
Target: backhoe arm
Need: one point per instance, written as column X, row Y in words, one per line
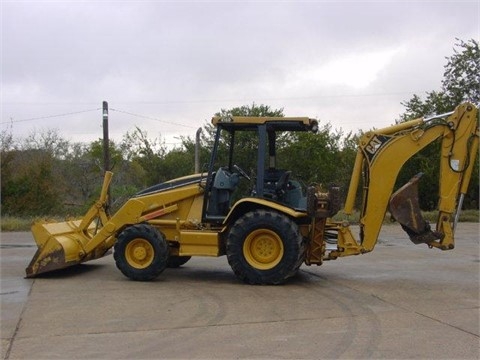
column 381, row 155
column 458, row 154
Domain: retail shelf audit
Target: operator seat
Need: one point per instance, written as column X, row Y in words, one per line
column 275, row 183
column 224, row 183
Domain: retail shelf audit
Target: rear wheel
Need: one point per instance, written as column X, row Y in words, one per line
column 141, row 252
column 265, row 247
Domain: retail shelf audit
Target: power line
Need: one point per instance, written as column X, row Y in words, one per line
column 152, row 118
column 49, row 116
column 259, row 99
column 89, row 110
column 209, row 101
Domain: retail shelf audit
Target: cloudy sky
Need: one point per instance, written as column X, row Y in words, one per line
column 168, row 66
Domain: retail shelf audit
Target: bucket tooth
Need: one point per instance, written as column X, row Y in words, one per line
column 48, row 258
column 405, row 208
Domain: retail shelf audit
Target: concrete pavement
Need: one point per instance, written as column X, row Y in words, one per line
column 402, row 301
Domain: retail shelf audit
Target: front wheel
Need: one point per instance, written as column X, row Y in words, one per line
column 141, row 252
column 265, row 247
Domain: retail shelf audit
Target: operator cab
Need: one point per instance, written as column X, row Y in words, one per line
column 229, row 163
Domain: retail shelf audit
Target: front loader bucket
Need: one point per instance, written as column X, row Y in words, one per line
column 62, row 244
column 405, row 208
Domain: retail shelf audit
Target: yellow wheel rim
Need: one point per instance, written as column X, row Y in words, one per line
column 139, row 253
column 263, row 249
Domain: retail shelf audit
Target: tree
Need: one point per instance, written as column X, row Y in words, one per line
column 177, row 162
column 31, row 184
column 148, row 154
column 461, row 83
column 84, row 172
column 314, row 158
column 462, row 73
column 252, row 110
column 8, row 149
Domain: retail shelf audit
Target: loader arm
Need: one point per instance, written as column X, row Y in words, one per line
column 381, row 155
column 64, row 244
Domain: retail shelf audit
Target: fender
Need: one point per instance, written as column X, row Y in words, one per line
column 250, row 203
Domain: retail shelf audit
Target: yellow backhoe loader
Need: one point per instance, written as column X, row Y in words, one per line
column 268, row 234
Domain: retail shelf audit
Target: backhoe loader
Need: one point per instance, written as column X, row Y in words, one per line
column 279, row 224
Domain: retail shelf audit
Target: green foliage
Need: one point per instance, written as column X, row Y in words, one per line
column 147, row 153
column 461, row 76
column 252, row 110
column 461, row 83
column 34, row 189
column 177, row 163
column 312, row 157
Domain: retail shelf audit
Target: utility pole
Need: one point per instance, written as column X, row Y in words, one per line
column 106, row 147
column 197, row 151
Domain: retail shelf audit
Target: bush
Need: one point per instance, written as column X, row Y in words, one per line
column 12, row 223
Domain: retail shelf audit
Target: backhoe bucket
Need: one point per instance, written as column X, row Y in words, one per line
column 62, row 244
column 405, row 208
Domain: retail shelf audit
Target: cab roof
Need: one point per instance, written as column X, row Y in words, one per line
column 273, row 123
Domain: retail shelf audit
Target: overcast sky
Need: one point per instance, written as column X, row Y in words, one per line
column 168, row 66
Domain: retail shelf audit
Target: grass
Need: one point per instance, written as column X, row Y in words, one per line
column 465, row 216
column 12, row 223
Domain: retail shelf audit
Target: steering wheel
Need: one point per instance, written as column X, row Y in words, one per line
column 282, row 183
column 241, row 172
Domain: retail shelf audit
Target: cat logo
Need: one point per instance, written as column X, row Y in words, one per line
column 374, row 145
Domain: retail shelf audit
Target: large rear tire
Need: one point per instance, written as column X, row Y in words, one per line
column 141, row 252
column 265, row 247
